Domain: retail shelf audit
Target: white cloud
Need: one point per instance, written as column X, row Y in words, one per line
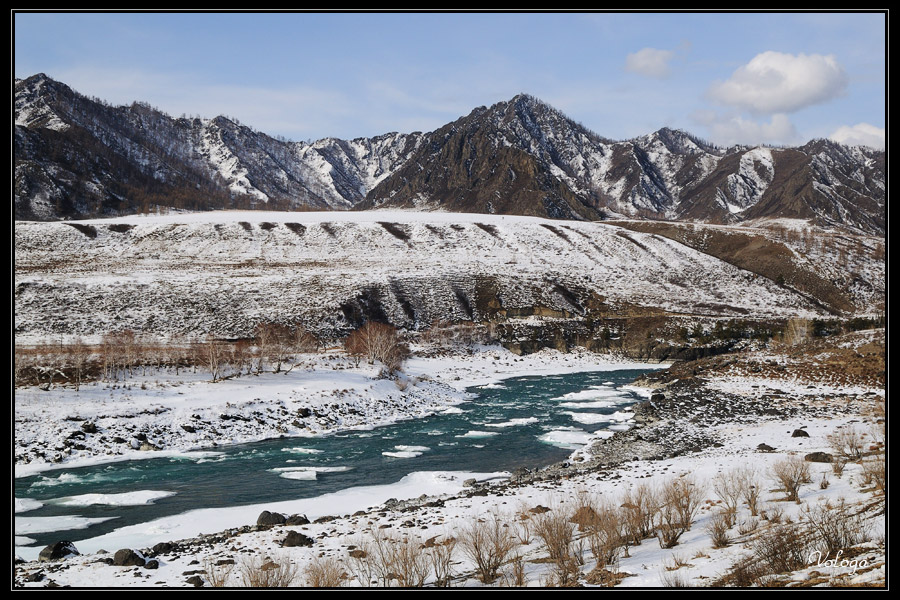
column 861, row 134
column 774, row 82
column 729, row 130
column 650, row 62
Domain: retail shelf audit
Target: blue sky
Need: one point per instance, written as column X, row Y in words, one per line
column 780, row 78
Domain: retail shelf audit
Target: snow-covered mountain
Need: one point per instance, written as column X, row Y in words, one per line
column 77, row 157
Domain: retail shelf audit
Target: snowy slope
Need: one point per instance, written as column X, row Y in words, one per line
column 224, row 272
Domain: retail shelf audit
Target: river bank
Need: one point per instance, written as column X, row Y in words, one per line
column 697, row 427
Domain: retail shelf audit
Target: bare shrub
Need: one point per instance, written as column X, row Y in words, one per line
column 674, row 579
column 639, row 506
column 558, row 534
column 680, row 500
column 606, row 535
column 744, row 572
column 728, row 487
column 515, row 576
column 441, row 556
column 837, row 465
column 217, row 575
column 383, row 559
column 750, row 488
column 410, row 564
column 781, row 548
column 524, row 526
column 263, row 572
column 361, row 562
column 847, row 441
column 718, row 529
column 791, row 473
column 836, row 528
column 325, row 572
column 488, row 543
column 748, row 526
column 875, row 472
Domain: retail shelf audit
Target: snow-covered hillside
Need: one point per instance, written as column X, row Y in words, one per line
column 224, row 272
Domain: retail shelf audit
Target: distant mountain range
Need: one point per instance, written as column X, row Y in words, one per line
column 79, row 157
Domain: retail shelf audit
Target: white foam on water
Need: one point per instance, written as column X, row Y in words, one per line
column 402, row 454
column 302, row 450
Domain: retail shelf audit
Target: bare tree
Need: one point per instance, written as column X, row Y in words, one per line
column 211, row 352
column 377, row 341
column 79, row 354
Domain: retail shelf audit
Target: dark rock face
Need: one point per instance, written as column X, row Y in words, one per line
column 57, row 551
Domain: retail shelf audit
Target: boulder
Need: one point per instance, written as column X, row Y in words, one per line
column 269, row 519
column 819, row 457
column 297, row 520
column 296, row 539
column 88, row 427
column 765, row 448
column 799, row 433
column 57, row 551
column 195, row 581
column 163, row 548
column 127, row 557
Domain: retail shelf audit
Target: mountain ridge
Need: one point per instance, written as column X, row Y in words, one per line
column 79, row 157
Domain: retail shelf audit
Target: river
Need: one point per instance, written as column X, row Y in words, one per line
column 528, row 422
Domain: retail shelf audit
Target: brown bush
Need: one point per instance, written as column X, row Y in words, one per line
column 791, row 473
column 679, row 502
column 488, row 543
column 325, row 572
